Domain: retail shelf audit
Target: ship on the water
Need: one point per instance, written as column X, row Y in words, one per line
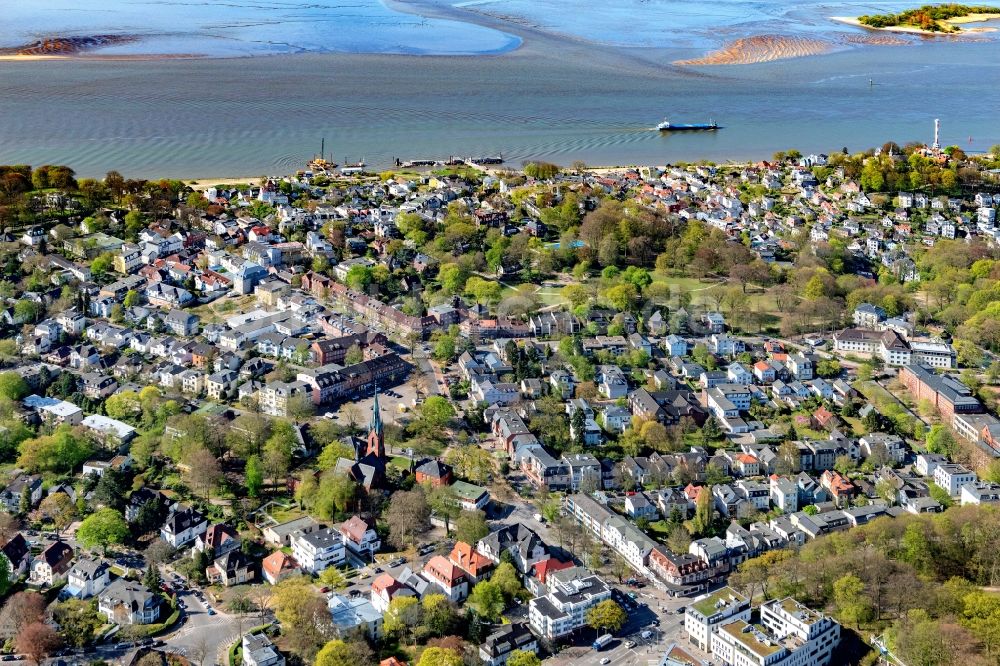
column 667, row 126
column 319, row 163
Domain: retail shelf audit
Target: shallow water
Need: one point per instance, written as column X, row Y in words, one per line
column 224, row 28
column 560, row 100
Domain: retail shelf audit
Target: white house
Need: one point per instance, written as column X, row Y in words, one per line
column 360, row 537
column 128, row 602
column 182, row 526
column 318, row 550
column 88, row 578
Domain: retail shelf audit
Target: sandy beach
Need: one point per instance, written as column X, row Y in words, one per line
column 762, row 48
column 913, row 30
column 202, row 184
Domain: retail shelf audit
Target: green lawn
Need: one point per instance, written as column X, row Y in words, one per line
column 544, row 295
column 401, row 462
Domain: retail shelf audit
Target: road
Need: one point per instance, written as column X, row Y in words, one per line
column 205, row 637
column 433, row 387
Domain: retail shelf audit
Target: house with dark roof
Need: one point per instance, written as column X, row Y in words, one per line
column 233, row 568
column 10, row 497
column 51, row 564
column 524, row 546
column 87, row 578
column 128, row 602
column 497, row 647
column 221, row 538
column 182, row 526
column 18, row 554
column 434, row 472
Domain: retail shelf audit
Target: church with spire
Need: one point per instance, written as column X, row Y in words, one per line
column 370, row 459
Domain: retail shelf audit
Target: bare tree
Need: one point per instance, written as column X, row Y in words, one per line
column 261, row 598
column 200, row 649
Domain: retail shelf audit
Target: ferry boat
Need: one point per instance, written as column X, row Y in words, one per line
column 667, row 126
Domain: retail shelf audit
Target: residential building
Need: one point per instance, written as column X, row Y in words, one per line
column 315, row 551
column 182, row 526
column 233, row 568
column 258, row 650
column 448, row 577
column 524, row 546
column 705, row 615
column 569, row 595
column 127, row 602
column 87, row 578
column 360, row 537
column 51, row 564
column 789, row 634
column 507, row 638
column 952, row 476
column 350, row 614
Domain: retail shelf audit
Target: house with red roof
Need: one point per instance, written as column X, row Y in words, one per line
column 452, row 580
column 220, row 538
column 385, row 588
column 360, row 537
column 471, row 561
column 746, row 464
column 764, row 372
column 539, row 573
column 824, row 419
column 391, row 661
column 840, row 487
column 278, row 566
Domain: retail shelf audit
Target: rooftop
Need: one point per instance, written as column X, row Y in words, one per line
column 752, row 637
column 717, row 601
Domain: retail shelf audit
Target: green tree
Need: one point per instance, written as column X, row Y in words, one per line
column 102, row 528
column 4, row 576
column 354, row 355
column 523, row 658
column 471, row 526
column 444, row 503
column 336, row 653
column 507, row 579
column 940, row 440
column 359, row 277
column 855, row 606
column 12, row 386
column 704, row 513
column 436, row 412
column 981, row 614
column 440, row 656
column 254, row 476
column 488, row 600
column 78, row 621
column 333, row 578
column 607, row 615
column 62, row 451
column 151, row 578
column 402, row 615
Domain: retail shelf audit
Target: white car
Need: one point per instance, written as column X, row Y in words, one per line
column 606, row 660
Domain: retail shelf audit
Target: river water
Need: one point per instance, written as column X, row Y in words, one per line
column 567, row 93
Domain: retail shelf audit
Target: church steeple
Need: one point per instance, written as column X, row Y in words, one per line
column 376, row 436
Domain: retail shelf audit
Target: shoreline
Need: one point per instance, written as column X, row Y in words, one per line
column 913, row 30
